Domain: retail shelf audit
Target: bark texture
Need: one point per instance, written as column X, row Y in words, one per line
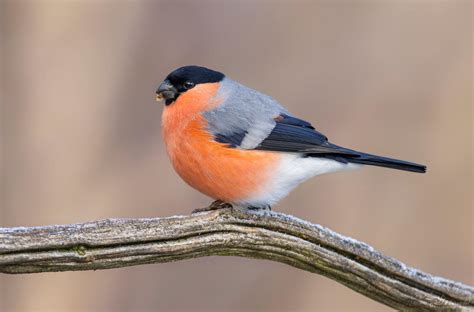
column 115, row 243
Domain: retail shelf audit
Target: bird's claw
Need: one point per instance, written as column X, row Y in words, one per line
column 216, row 205
column 265, row 208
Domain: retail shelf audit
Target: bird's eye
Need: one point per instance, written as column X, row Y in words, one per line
column 188, row 84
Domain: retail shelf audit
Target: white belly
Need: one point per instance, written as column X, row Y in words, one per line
column 293, row 170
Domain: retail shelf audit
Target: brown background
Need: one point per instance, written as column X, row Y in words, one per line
column 81, row 137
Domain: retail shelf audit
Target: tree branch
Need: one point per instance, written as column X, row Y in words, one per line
column 273, row 236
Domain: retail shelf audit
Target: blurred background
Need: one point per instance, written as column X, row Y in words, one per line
column 81, row 137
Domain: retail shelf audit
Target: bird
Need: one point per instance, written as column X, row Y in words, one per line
column 243, row 148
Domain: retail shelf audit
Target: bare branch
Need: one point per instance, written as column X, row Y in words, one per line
column 273, row 236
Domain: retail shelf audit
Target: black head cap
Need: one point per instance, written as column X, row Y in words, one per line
column 185, row 78
column 195, row 74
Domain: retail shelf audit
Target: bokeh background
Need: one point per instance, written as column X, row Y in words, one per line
column 81, row 137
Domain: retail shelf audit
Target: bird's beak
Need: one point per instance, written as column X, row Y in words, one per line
column 166, row 91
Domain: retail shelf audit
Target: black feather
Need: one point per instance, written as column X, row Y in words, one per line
column 233, row 139
column 373, row 160
column 290, row 120
column 295, row 135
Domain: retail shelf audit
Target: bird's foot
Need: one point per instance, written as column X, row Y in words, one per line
column 264, row 208
column 216, row 205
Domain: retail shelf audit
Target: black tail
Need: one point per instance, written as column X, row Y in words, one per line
column 367, row 159
column 355, row 157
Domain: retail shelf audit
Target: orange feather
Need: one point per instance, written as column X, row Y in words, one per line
column 224, row 173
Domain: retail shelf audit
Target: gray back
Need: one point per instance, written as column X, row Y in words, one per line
column 245, row 112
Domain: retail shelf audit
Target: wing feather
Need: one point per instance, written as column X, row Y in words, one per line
column 292, row 134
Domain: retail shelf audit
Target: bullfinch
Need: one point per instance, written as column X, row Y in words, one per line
column 242, row 147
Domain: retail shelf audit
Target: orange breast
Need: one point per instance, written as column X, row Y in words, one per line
column 214, row 169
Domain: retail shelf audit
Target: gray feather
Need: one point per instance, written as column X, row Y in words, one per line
column 244, row 112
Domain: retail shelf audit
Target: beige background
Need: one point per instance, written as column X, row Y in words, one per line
column 81, row 137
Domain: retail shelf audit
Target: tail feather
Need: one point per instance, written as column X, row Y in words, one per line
column 373, row 160
column 351, row 156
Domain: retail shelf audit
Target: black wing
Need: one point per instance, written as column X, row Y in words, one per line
column 296, row 135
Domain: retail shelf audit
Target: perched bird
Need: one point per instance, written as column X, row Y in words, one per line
column 240, row 146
